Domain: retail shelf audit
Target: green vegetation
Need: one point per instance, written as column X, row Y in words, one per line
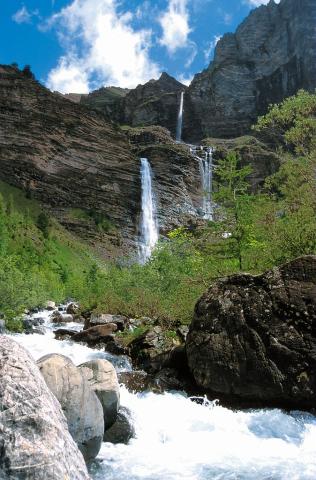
column 250, row 232
column 39, row 260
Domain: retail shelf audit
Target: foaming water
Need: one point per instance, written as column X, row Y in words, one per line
column 40, row 345
column 178, row 439
column 149, row 224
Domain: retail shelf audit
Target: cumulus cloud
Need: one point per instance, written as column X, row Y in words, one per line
column 175, row 26
column 101, row 48
column 211, row 47
column 23, row 15
column 257, row 3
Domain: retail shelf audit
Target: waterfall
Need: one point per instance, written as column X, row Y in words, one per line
column 148, row 225
column 179, row 121
column 206, row 165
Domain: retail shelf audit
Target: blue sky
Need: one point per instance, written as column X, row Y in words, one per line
column 81, row 45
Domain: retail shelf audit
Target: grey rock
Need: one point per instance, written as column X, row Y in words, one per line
column 102, row 378
column 80, row 404
column 105, row 318
column 2, row 326
column 50, row 305
column 270, row 57
column 35, row 443
column 58, row 317
column 122, row 430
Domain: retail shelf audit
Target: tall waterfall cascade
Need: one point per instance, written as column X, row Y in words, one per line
column 204, row 155
column 149, row 232
column 180, row 118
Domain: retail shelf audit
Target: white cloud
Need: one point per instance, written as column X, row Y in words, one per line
column 210, row 48
column 23, row 15
column 101, row 46
column 186, row 80
column 257, row 3
column 175, row 26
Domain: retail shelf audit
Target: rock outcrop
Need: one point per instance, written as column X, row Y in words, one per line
column 154, row 103
column 79, row 402
column 70, row 158
column 177, row 178
column 253, row 338
column 270, row 57
column 34, row 439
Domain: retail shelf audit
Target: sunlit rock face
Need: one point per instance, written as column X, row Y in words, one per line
column 270, row 57
column 68, row 157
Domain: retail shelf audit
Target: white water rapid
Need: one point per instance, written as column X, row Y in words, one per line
column 149, row 232
column 179, row 120
column 178, row 439
column 206, row 166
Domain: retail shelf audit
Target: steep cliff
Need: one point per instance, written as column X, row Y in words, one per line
column 68, row 157
column 271, row 56
column 177, row 181
column 154, row 103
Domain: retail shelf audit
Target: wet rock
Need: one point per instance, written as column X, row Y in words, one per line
column 102, row 378
column 64, row 334
column 58, row 317
column 122, row 430
column 50, row 305
column 135, row 381
column 105, row 318
column 79, row 402
column 253, row 338
column 2, row 326
column 95, row 335
column 114, row 345
column 34, row 442
column 73, row 309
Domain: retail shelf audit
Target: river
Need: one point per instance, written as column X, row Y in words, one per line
column 179, row 439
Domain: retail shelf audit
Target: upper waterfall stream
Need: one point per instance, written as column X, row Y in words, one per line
column 178, row 439
column 180, row 119
column 149, row 224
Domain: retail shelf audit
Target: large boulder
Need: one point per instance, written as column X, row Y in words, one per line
column 34, row 439
column 104, row 319
column 95, row 335
column 253, row 338
column 79, row 402
column 102, row 378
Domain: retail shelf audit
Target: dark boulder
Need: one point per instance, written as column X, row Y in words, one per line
column 104, row 319
column 95, row 335
column 64, row 334
column 253, row 338
column 122, row 430
column 34, row 439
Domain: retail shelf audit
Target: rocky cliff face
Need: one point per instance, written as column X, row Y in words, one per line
column 83, row 168
column 177, row 180
column 154, row 103
column 67, row 156
column 271, row 56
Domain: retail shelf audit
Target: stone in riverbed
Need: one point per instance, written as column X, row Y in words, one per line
column 253, row 338
column 102, row 378
column 50, row 305
column 73, row 308
column 58, row 317
column 122, row 430
column 105, row 318
column 34, row 439
column 94, row 335
column 79, row 402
